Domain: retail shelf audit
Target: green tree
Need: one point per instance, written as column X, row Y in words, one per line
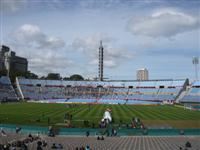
column 31, row 75
column 66, row 78
column 76, row 77
column 3, row 72
column 14, row 74
column 43, row 77
column 53, row 76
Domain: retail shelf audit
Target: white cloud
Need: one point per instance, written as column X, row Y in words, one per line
column 89, row 46
column 45, row 53
column 163, row 23
column 50, row 62
column 31, row 34
column 12, row 5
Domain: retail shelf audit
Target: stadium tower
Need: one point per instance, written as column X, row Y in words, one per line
column 101, row 61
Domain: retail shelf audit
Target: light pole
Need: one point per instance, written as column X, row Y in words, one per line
column 195, row 62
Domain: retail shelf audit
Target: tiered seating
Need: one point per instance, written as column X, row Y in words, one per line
column 193, row 94
column 7, row 92
column 113, row 92
column 167, row 93
column 110, row 143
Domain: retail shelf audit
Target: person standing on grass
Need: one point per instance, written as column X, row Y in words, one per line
column 48, row 120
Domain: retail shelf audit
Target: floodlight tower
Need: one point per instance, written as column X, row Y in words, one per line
column 195, row 62
column 101, row 61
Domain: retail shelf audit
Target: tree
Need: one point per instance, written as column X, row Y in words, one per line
column 3, row 72
column 14, row 74
column 66, row 78
column 43, row 77
column 53, row 76
column 31, row 75
column 76, row 77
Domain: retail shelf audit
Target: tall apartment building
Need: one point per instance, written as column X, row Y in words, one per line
column 142, row 74
column 11, row 62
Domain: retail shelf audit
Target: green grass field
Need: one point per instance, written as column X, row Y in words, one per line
column 30, row 113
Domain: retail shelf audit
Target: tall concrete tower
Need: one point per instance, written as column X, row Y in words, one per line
column 101, row 61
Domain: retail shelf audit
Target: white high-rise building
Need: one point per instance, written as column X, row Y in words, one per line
column 142, row 74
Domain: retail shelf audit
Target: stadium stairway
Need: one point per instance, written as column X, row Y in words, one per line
column 183, row 93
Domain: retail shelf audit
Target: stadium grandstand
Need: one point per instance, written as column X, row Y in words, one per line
column 7, row 93
column 99, row 75
column 103, row 92
column 135, row 135
column 192, row 93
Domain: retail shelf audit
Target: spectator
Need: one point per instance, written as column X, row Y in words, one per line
column 38, row 134
column 102, row 138
column 87, row 148
column 181, row 132
column 18, row 129
column 188, row 144
column 115, row 132
column 3, row 133
column 87, row 133
column 39, row 148
column 44, row 143
column 112, row 133
column 30, row 136
column 39, row 143
column 53, row 146
column 59, row 146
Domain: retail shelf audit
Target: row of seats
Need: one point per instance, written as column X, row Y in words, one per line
column 193, row 93
column 63, row 83
column 113, row 143
column 114, row 92
column 6, row 90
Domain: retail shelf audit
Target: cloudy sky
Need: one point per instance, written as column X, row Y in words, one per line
column 63, row 36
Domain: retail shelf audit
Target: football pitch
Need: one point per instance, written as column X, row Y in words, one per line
column 53, row 114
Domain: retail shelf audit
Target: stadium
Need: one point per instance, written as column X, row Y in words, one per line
column 98, row 113
column 139, row 112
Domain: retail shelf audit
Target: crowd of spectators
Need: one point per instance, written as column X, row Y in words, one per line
column 19, row 143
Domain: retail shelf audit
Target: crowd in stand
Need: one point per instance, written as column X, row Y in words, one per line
column 22, row 143
column 83, row 148
column 34, row 142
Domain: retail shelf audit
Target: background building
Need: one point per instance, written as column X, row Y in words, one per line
column 142, row 74
column 4, row 50
column 101, row 61
column 11, row 62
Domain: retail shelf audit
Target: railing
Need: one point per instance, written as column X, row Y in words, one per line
column 104, row 131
